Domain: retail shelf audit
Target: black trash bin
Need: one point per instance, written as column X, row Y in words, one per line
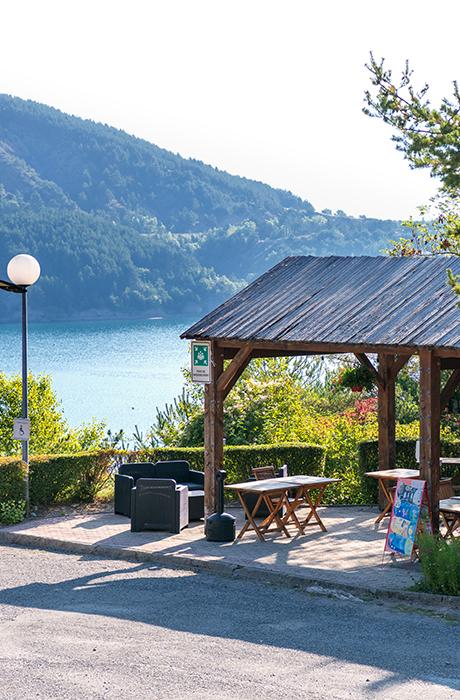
column 220, row 526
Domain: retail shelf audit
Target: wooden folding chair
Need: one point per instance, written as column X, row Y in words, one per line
column 261, row 473
column 448, row 509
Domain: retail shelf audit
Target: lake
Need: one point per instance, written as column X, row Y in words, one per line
column 118, row 371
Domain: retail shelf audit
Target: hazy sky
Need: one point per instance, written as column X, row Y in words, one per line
column 269, row 89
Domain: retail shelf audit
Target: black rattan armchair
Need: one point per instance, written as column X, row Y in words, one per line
column 159, row 504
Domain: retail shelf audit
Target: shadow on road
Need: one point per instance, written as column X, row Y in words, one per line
column 356, row 632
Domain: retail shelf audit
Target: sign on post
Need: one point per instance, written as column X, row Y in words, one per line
column 21, row 429
column 410, row 514
column 201, row 362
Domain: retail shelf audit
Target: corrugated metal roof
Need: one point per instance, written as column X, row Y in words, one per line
column 346, row 300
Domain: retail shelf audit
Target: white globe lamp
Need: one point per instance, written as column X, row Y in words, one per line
column 23, row 270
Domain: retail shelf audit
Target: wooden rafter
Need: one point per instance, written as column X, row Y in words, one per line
column 399, row 362
column 230, row 375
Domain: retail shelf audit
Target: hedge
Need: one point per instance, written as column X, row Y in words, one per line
column 240, row 459
column 405, row 459
column 56, row 478
column 78, row 477
column 75, row 477
column 11, row 479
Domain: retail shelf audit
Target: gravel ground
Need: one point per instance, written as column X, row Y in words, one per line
column 80, row 627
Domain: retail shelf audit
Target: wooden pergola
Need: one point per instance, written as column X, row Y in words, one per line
column 393, row 308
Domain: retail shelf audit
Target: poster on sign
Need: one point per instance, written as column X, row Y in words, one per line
column 410, row 514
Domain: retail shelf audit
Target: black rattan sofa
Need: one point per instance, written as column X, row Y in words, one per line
column 179, row 470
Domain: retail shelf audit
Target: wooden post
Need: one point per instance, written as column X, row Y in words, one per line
column 430, row 417
column 213, row 430
column 386, row 413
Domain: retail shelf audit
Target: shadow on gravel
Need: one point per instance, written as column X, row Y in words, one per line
column 405, row 644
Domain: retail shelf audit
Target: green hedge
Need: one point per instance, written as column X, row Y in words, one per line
column 240, row 459
column 56, row 478
column 11, row 479
column 405, row 459
column 75, row 477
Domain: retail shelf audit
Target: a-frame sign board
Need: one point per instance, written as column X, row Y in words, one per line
column 410, row 515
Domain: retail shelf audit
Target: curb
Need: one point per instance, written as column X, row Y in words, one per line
column 309, row 584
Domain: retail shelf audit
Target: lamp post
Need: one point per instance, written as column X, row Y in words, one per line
column 23, row 271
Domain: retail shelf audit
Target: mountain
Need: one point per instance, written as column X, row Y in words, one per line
column 124, row 228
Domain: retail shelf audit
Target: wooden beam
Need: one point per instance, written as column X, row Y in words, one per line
column 449, row 388
column 230, row 375
column 365, row 361
column 450, row 362
column 430, row 417
column 320, row 348
column 213, row 430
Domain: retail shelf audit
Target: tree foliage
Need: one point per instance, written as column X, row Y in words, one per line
column 429, row 136
column 50, row 432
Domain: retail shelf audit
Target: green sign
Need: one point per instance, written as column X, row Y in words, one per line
column 201, row 362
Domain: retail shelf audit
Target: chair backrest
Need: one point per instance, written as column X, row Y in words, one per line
column 155, row 486
column 264, row 473
column 177, row 469
column 137, row 470
column 446, row 490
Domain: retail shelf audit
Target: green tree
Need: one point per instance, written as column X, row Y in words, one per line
column 50, row 432
column 429, row 137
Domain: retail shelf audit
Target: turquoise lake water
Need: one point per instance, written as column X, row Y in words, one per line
column 118, row 371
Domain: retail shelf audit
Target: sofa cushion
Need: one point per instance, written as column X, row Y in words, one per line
column 192, row 486
column 174, row 469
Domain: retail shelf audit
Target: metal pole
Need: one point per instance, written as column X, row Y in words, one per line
column 25, row 406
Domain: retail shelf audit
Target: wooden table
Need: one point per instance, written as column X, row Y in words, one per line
column 449, row 460
column 384, row 476
column 450, row 513
column 282, row 510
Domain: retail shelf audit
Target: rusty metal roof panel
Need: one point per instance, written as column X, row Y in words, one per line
column 343, row 300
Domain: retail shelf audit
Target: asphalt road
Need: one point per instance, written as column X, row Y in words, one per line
column 78, row 627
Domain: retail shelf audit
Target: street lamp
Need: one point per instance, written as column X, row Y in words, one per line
column 23, row 271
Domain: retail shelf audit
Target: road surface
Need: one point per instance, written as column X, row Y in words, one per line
column 79, row 627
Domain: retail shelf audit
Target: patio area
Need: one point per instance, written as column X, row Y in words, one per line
column 348, row 556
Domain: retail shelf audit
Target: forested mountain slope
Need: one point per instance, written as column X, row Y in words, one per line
column 122, row 227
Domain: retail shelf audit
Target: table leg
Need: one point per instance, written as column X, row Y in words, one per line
column 303, row 496
column 389, row 504
column 451, row 525
column 274, row 515
column 250, row 518
column 313, row 506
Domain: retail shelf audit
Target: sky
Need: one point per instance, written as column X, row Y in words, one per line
column 268, row 89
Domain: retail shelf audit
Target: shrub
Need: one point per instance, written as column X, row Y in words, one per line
column 11, row 479
column 440, row 562
column 76, row 477
column 240, row 459
column 12, row 512
column 50, row 432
